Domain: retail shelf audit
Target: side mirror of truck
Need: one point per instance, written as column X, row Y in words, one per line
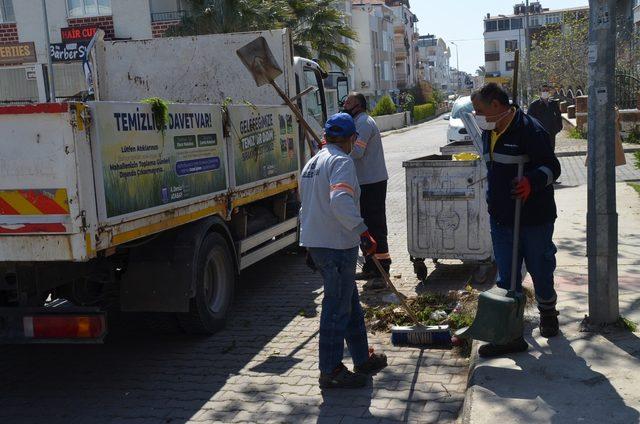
column 342, row 85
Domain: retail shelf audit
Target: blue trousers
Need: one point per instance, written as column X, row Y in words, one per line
column 539, row 255
column 342, row 318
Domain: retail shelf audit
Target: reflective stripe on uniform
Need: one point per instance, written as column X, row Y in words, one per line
column 343, row 187
column 361, row 144
column 382, row 256
column 510, row 159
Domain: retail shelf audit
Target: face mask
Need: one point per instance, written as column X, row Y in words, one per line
column 544, row 95
column 350, row 111
column 483, row 124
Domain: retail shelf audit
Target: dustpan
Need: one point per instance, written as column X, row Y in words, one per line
column 500, row 315
column 262, row 64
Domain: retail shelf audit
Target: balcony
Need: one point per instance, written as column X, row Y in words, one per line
column 168, row 16
column 492, row 56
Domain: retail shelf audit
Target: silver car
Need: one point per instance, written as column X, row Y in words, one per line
column 457, row 131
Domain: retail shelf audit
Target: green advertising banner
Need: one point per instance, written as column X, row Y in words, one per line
column 144, row 168
column 265, row 142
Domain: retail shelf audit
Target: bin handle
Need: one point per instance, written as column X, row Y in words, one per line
column 448, row 193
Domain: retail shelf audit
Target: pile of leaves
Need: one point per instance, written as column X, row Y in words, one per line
column 459, row 306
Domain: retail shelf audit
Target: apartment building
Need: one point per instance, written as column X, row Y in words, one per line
column 374, row 51
column 636, row 15
column 503, row 34
column 71, row 25
column 433, row 59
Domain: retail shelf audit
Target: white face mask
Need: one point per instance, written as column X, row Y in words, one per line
column 544, row 95
column 483, row 124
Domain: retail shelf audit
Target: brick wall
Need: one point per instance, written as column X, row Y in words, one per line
column 105, row 23
column 8, row 33
column 159, row 28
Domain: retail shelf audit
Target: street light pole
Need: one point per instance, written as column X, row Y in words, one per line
column 602, row 219
column 527, row 52
column 457, row 66
column 52, row 86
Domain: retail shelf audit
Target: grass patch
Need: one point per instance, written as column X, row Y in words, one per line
column 635, row 186
column 636, row 155
column 577, row 134
column 633, row 137
column 627, row 324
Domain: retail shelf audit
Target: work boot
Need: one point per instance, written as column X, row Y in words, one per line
column 376, row 283
column 367, row 274
column 342, row 378
column 491, row 350
column 549, row 323
column 373, row 364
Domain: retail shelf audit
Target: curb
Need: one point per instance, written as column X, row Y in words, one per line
column 465, row 412
column 410, row 127
column 584, row 152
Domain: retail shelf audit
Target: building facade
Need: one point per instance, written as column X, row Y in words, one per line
column 374, row 73
column 71, row 24
column 504, row 34
column 434, row 56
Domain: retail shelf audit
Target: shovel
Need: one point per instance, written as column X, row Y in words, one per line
column 264, row 68
column 500, row 316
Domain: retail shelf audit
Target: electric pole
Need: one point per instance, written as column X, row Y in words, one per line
column 527, row 52
column 457, row 66
column 52, row 86
column 602, row 219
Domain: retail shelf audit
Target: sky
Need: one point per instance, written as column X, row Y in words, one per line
column 461, row 21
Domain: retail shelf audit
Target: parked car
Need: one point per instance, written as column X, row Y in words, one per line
column 457, row 131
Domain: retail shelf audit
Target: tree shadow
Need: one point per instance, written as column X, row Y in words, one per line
column 560, row 382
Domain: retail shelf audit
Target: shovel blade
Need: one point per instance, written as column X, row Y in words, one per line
column 499, row 319
column 259, row 60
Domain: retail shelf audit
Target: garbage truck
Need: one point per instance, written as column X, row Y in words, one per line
column 121, row 203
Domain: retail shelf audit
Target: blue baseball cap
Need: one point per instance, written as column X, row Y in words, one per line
column 340, row 125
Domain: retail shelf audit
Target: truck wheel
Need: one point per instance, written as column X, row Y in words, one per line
column 215, row 282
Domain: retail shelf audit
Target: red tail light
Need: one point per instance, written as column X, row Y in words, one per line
column 64, row 327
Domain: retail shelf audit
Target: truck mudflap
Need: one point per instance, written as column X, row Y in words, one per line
column 63, row 325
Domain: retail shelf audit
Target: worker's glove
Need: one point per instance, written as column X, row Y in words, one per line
column 368, row 244
column 309, row 262
column 521, row 188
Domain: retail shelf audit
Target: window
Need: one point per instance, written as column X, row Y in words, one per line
column 6, row 11
column 82, row 8
column 516, row 23
column 511, row 64
column 503, row 25
column 490, row 26
column 553, row 19
column 510, row 45
column 312, row 102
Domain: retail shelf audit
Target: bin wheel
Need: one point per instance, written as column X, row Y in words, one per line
column 420, row 268
column 214, row 286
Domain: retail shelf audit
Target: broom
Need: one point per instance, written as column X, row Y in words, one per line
column 417, row 334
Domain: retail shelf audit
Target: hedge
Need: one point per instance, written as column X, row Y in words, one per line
column 422, row 112
column 384, row 107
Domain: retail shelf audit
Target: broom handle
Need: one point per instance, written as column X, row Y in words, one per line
column 386, row 278
column 516, row 234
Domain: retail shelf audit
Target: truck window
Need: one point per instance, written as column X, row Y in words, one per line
column 313, row 103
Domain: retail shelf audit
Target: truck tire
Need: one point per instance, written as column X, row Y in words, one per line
column 215, row 280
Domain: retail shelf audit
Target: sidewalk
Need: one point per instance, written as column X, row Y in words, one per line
column 574, row 377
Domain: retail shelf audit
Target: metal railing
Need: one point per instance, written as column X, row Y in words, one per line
column 627, row 90
column 168, row 16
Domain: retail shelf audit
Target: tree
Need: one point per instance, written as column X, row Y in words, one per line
column 559, row 53
column 318, row 26
column 223, row 16
column 481, row 71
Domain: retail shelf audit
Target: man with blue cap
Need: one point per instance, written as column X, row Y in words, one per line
column 331, row 229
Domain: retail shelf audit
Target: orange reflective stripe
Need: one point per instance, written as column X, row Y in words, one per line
column 343, row 187
column 34, row 202
column 383, row 255
column 361, row 143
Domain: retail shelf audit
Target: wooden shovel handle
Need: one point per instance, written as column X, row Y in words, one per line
column 404, row 304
